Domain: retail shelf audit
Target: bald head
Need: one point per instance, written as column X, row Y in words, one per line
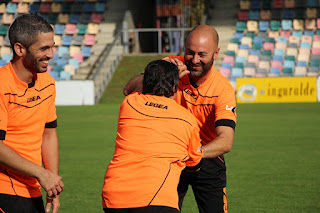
column 201, row 49
column 204, row 32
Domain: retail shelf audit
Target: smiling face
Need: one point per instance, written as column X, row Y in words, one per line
column 201, row 50
column 38, row 54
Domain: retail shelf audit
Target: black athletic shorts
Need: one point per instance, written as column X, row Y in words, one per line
column 208, row 186
column 147, row 209
column 17, row 204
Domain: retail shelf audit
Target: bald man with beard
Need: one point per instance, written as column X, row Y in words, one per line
column 211, row 99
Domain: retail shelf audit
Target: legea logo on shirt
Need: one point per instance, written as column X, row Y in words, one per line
column 156, row 105
column 191, row 94
column 34, row 98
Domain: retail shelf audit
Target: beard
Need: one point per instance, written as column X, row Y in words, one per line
column 204, row 67
column 31, row 63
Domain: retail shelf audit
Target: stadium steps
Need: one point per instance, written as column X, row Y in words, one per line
column 223, row 17
column 102, row 39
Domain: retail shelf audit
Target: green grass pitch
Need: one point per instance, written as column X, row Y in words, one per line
column 274, row 165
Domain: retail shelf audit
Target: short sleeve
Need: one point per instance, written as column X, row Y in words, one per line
column 3, row 116
column 52, row 115
column 194, row 149
column 225, row 113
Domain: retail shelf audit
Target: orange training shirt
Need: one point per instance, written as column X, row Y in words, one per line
column 25, row 110
column 155, row 137
column 213, row 103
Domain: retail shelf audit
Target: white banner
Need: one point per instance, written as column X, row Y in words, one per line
column 70, row 93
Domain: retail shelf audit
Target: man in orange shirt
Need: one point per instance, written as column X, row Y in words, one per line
column 156, row 140
column 211, row 99
column 28, row 121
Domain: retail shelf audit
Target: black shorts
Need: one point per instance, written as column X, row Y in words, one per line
column 208, row 185
column 147, row 209
column 17, row 204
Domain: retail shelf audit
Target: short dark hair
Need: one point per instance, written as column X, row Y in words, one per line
column 161, row 78
column 26, row 28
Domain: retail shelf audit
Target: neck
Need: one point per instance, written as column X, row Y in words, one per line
column 22, row 72
column 198, row 80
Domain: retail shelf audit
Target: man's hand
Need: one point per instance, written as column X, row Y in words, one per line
column 183, row 70
column 51, row 183
column 54, row 202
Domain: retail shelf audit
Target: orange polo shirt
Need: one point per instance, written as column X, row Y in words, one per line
column 213, row 103
column 25, row 110
column 156, row 139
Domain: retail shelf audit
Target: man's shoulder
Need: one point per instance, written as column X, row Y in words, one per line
column 220, row 81
column 46, row 77
column 5, row 75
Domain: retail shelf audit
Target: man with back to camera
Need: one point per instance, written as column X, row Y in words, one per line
column 156, row 140
column 211, row 99
column 28, row 121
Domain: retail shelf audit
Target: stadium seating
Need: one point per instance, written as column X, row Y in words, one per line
column 75, row 22
column 275, row 38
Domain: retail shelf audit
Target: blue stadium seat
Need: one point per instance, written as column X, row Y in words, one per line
column 258, row 40
column 55, row 57
column 287, row 14
column 254, row 52
column 88, row 7
column 263, row 25
column 241, row 59
column 86, row 51
column 55, row 75
column 59, row 29
column 65, row 75
column 301, row 64
column 286, row 24
column 282, row 39
column 61, row 62
column 275, row 71
column 297, row 33
column 238, row 35
column 74, row 63
column 309, row 32
column 244, row 46
column 226, row 65
column 74, row 18
column 236, row 72
column 7, row 57
column 62, row 50
column 277, row 58
column 66, row 40
column 305, row 45
column 2, row 62
column 255, row 4
column 99, row 7
column 289, row 63
column 254, row 15
column 312, row 3
column 34, row 8
column 11, row 8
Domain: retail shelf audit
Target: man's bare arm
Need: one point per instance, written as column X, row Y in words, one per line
column 221, row 144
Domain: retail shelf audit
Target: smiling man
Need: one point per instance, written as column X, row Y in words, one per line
column 211, row 99
column 28, row 121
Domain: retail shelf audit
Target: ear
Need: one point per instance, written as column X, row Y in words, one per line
column 19, row 49
column 216, row 53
